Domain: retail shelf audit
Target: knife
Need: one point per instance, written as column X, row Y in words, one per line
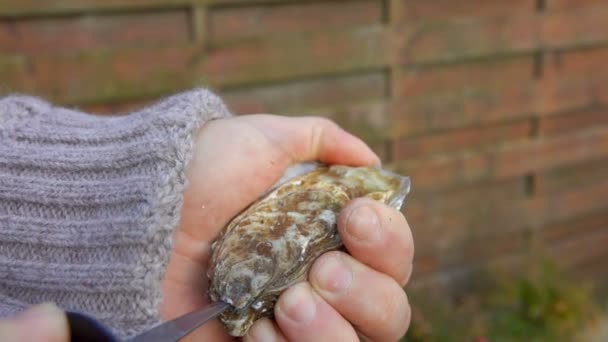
column 86, row 328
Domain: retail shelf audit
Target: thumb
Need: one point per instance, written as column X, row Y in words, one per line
column 45, row 322
column 313, row 138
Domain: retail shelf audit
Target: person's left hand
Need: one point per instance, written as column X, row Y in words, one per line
column 347, row 297
column 41, row 323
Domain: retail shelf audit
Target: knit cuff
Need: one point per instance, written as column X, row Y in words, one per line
column 89, row 204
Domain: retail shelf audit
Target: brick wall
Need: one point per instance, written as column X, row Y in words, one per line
column 497, row 109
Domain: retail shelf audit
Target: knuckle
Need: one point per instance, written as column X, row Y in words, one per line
column 318, row 124
column 324, row 122
column 317, row 131
column 316, row 271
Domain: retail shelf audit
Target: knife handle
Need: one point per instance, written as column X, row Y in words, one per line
column 85, row 328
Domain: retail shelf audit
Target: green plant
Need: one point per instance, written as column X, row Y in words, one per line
column 541, row 304
column 435, row 319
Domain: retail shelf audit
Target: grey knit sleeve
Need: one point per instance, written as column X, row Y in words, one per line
column 88, row 204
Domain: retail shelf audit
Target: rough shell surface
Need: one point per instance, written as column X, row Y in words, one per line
column 273, row 243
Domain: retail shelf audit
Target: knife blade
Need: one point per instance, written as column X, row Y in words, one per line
column 178, row 328
column 86, row 328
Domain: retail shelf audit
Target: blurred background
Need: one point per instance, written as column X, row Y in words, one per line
column 498, row 110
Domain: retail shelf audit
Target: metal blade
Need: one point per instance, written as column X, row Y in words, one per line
column 180, row 327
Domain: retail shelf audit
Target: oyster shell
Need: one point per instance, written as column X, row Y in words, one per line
column 272, row 244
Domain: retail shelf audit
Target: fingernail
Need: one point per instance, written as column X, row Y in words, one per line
column 334, row 275
column 262, row 330
column 363, row 224
column 298, row 304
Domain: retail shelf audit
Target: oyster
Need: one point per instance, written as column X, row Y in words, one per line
column 272, row 244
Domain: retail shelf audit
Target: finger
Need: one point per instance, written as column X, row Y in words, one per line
column 44, row 322
column 264, row 330
column 315, row 138
column 304, row 316
column 372, row 301
column 378, row 236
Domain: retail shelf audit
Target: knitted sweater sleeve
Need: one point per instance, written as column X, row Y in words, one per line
column 88, row 204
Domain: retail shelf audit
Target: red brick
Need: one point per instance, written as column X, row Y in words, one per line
column 366, row 120
column 513, row 160
column 592, row 273
column 438, row 172
column 470, row 138
column 449, row 38
column 477, row 249
column 454, row 96
column 448, row 9
column 11, row 68
column 548, row 153
column 493, row 217
column 453, row 40
column 465, row 252
column 356, row 102
column 576, row 62
column 574, row 79
column 551, row 208
column 572, row 228
column 439, row 218
column 104, row 75
column 460, row 281
column 426, row 204
column 573, row 121
column 577, row 201
column 568, row 93
column 306, row 54
column 441, row 79
column 97, row 75
column 490, row 227
column 61, row 35
column 298, row 97
column 231, row 23
column 586, row 173
column 36, row 7
column 465, row 107
column 580, row 250
column 472, row 253
column 571, row 4
column 576, row 27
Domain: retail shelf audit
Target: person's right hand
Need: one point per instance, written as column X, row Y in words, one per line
column 41, row 323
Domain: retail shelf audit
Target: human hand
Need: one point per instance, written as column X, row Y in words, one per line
column 235, row 161
column 40, row 323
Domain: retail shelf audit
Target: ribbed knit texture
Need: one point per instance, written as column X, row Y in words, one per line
column 89, row 204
